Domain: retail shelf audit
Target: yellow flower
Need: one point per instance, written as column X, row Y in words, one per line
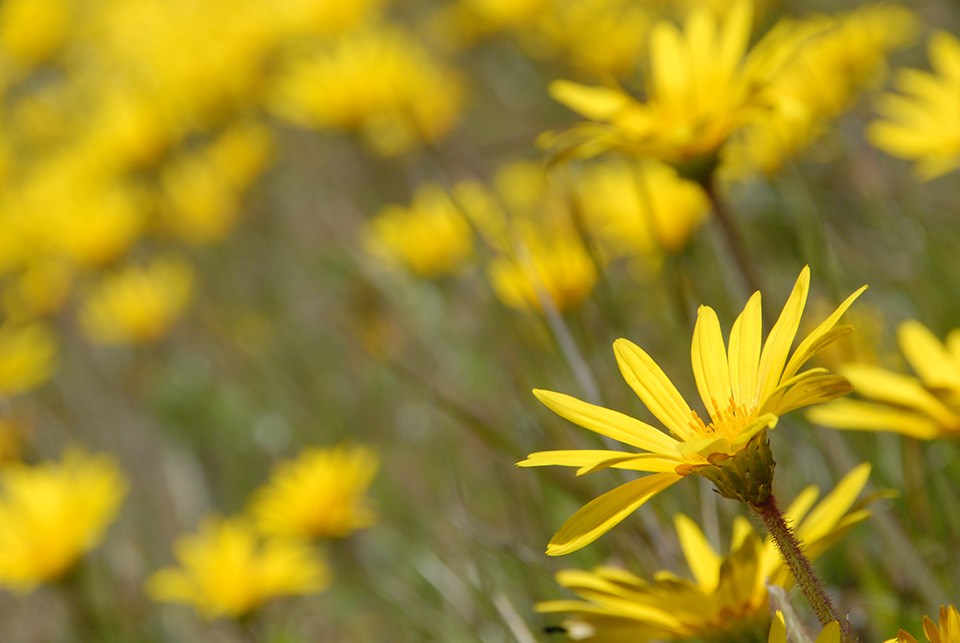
column 32, row 31
column 431, row 238
column 727, row 600
column 321, row 17
column 923, row 122
column 380, row 82
column 778, row 631
column 138, row 305
column 744, row 389
column 948, row 630
column 320, row 494
column 227, row 570
column 27, row 355
column 925, row 407
column 51, row 514
column 702, row 85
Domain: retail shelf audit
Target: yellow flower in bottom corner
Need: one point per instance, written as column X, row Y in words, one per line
column 778, row 631
column 228, row 570
column 52, row 513
column 320, row 494
column 948, row 630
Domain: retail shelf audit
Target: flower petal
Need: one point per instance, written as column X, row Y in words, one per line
column 601, row 514
column 812, row 343
column 777, row 347
column 744, row 353
column 654, row 388
column 709, row 358
column 588, row 461
column 703, row 559
column 867, row 416
column 928, row 357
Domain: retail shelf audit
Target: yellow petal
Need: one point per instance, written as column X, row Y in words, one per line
column 597, row 103
column 814, row 342
column 654, row 388
column 777, row 347
column 834, row 505
column 867, row 416
column 744, row 353
column 702, row 558
column 814, row 389
column 600, row 515
column 588, row 461
column 893, row 388
column 928, row 357
column 612, row 424
column 709, row 358
column 778, row 629
column 830, row 633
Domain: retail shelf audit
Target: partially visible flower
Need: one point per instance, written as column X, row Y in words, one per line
column 32, row 31
column 27, row 356
column 430, row 238
column 778, row 631
column 379, row 82
column 53, row 513
column 138, row 305
column 320, row 494
column 324, row 18
column 727, row 600
column 922, row 123
column 745, row 390
column 947, row 631
column 228, row 570
column 925, row 407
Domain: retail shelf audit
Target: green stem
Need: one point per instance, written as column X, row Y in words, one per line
column 791, row 551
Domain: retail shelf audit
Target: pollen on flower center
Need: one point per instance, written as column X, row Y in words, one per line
column 728, row 422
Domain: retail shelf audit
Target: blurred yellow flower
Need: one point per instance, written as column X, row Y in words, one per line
column 320, row 494
column 744, row 390
column 380, row 82
column 321, row 17
column 228, row 570
column 727, row 600
column 924, row 407
column 41, row 288
column 702, row 86
column 138, row 305
column 27, row 357
column 32, row 31
column 947, row 631
column 52, row 513
column 778, row 631
column 431, row 238
column 922, row 123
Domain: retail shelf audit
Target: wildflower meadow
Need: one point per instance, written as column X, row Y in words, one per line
column 479, row 321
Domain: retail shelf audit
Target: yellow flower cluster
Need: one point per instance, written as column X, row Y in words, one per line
column 946, row 631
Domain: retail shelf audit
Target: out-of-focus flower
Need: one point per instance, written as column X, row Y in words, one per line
column 925, row 407
column 545, row 265
column 947, row 631
column 229, row 570
column 727, row 600
column 41, row 288
column 744, row 390
column 431, row 238
column 320, row 494
column 32, row 31
column 380, row 82
column 640, row 209
column 778, row 631
column 27, row 356
column 702, row 86
column 138, row 305
column 323, row 18
column 52, row 513
column 922, row 123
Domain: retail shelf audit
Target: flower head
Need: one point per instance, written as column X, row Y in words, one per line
column 947, row 631
column 925, row 407
column 320, row 494
column 922, row 123
column 52, row 513
column 727, row 600
column 228, row 570
column 745, row 389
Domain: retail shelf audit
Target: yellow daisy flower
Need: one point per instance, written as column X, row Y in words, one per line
column 778, row 631
column 924, row 407
column 727, row 600
column 52, row 513
column 320, row 494
column 744, row 388
column 948, row 630
column 27, row 357
column 228, row 570
column 922, row 123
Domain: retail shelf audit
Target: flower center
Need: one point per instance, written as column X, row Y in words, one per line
column 727, row 422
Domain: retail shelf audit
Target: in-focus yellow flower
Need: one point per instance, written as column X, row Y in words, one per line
column 27, row 355
column 922, row 123
column 52, row 513
column 778, row 631
column 380, row 82
column 727, row 600
column 925, row 407
column 228, row 570
column 744, row 389
column 138, row 305
column 948, row 630
column 320, row 494
column 431, row 238
column 702, row 85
